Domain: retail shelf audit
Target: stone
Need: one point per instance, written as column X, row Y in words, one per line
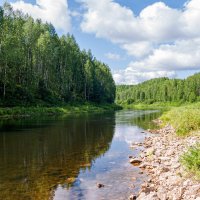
column 165, row 169
column 142, row 155
column 187, row 183
column 176, row 193
column 132, row 197
column 170, row 152
column 173, row 180
column 162, row 193
column 150, row 151
column 142, row 166
column 150, row 196
column 70, row 180
column 135, row 161
column 130, row 156
column 175, row 166
column 100, row 185
column 133, row 179
column 164, row 158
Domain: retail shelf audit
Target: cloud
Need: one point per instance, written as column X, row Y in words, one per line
column 55, row 12
column 156, row 23
column 107, row 19
column 182, row 55
column 161, row 40
column 138, row 49
column 113, row 56
column 130, row 76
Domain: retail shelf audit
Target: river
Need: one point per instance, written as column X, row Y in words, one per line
column 63, row 158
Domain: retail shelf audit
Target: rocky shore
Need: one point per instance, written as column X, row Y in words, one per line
column 160, row 160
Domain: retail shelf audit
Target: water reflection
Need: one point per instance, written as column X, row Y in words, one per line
column 142, row 119
column 34, row 162
column 64, row 158
column 113, row 169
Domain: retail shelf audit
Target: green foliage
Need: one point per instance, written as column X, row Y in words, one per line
column 36, row 65
column 184, row 119
column 191, row 160
column 163, row 106
column 160, row 90
column 19, row 112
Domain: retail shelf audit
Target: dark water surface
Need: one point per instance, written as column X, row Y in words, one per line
column 64, row 158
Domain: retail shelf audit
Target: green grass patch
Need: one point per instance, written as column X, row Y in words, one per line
column 163, row 106
column 66, row 109
column 184, row 119
column 191, row 160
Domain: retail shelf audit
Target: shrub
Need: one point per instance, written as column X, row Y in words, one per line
column 191, row 160
column 184, row 119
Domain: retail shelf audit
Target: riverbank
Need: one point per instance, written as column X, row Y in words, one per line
column 20, row 112
column 161, row 161
column 163, row 106
column 171, row 157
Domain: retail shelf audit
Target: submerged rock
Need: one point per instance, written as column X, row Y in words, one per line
column 70, row 180
column 100, row 185
column 135, row 161
column 133, row 197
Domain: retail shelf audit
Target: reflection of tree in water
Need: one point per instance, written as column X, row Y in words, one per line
column 142, row 119
column 145, row 120
column 34, row 162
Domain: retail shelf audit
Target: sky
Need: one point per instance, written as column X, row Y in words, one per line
column 138, row 39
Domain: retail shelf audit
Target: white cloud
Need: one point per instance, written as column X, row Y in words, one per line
column 182, row 55
column 162, row 40
column 138, row 49
column 75, row 14
column 120, row 25
column 55, row 12
column 113, row 56
column 130, row 76
column 109, row 20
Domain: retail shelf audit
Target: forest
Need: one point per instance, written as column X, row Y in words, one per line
column 39, row 67
column 161, row 90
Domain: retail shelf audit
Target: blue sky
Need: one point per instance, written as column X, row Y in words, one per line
column 138, row 39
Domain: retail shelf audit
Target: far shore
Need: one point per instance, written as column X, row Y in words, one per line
column 33, row 111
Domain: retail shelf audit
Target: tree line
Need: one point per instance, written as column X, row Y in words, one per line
column 161, row 90
column 36, row 65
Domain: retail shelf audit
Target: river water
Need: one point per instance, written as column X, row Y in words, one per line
column 63, row 158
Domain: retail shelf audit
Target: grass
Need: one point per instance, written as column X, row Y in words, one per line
column 164, row 106
column 185, row 119
column 66, row 109
column 191, row 160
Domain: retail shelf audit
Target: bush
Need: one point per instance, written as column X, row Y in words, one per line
column 184, row 119
column 191, row 159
